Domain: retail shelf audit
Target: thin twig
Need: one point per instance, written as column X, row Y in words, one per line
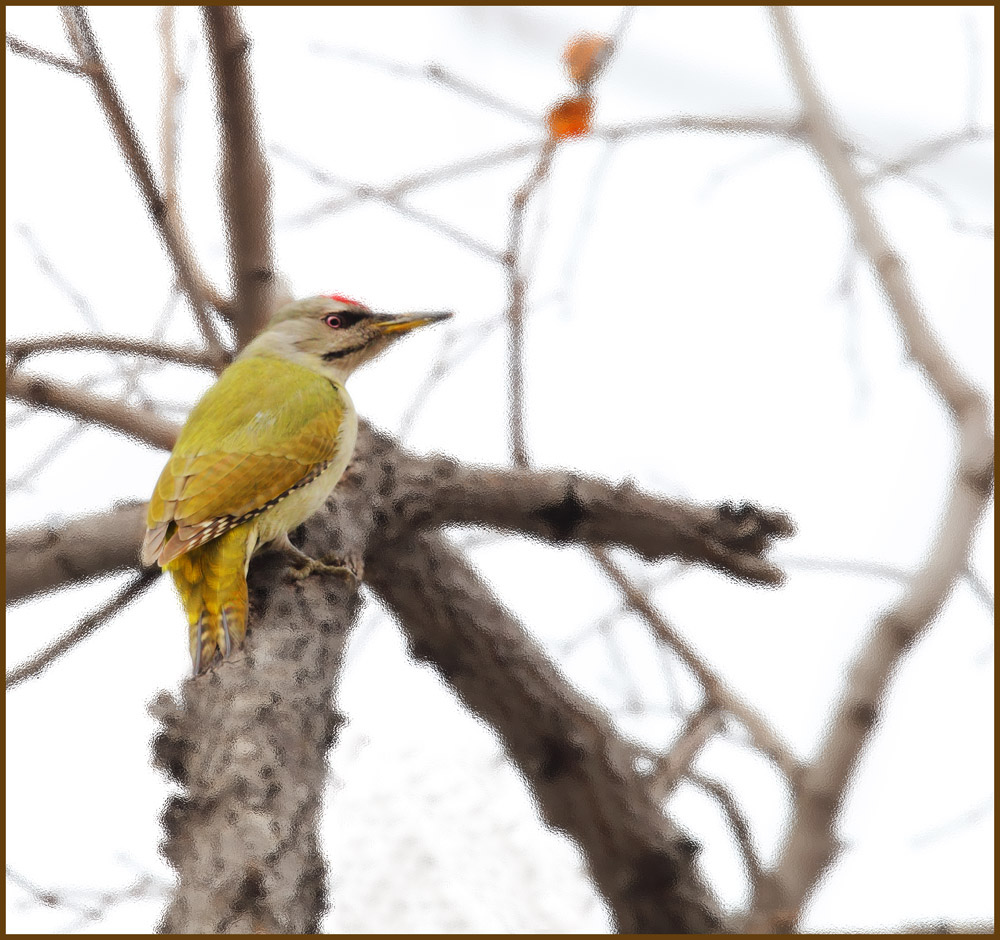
column 141, row 425
column 81, row 36
column 44, row 460
column 393, row 201
column 739, row 825
column 20, row 47
column 20, row 350
column 431, row 71
column 172, row 88
column 117, row 603
column 516, row 277
column 670, row 768
column 765, row 738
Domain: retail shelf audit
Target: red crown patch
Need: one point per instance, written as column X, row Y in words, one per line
column 340, row 298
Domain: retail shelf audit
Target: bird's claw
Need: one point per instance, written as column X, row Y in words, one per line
column 351, row 568
column 345, row 568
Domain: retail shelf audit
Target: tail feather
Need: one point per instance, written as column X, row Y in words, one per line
column 211, row 580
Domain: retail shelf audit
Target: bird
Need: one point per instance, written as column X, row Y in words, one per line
column 258, row 455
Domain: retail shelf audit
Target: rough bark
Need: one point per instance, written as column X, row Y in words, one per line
column 247, row 742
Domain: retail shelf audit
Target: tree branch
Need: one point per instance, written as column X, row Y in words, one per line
column 20, row 350
column 168, row 224
column 22, row 48
column 582, row 774
column 670, row 768
column 141, row 425
column 565, row 508
column 47, row 558
column 90, row 624
column 739, row 825
column 811, row 843
column 435, row 491
column 245, row 176
column 717, row 693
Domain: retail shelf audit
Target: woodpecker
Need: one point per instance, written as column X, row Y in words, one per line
column 258, row 455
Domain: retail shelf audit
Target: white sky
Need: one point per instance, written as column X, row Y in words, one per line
column 685, row 328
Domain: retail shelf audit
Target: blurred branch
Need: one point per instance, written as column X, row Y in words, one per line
column 115, row 605
column 393, row 201
column 581, row 773
column 512, row 262
column 873, row 569
column 739, row 825
column 464, row 167
column 717, row 693
column 172, row 88
column 926, row 152
column 668, row 769
column 58, row 445
column 142, row 425
column 45, row 558
column 20, row 350
column 245, row 178
column 979, row 588
column 811, row 845
column 752, row 126
column 22, row 48
column 89, row 906
column 516, row 290
column 192, row 281
column 432, row 71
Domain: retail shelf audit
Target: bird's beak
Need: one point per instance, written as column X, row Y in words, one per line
column 390, row 324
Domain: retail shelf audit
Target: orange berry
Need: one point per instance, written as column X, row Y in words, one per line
column 571, row 117
column 582, row 54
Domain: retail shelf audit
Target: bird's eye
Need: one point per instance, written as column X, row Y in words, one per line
column 333, row 321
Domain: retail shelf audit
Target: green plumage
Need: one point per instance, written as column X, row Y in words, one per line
column 259, row 453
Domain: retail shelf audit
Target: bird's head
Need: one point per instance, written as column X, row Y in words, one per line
column 333, row 335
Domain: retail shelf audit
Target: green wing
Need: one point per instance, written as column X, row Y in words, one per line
column 265, row 428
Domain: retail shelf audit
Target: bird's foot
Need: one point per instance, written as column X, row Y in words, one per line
column 350, row 568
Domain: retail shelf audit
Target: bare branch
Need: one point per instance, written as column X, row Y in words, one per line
column 928, row 151
column 582, row 774
column 516, row 290
column 172, row 87
column 564, row 508
column 432, row 71
column 670, row 768
column 30, row 475
column 46, row 558
column 516, row 278
column 90, row 624
column 752, row 126
column 245, row 177
column 20, row 47
column 811, row 843
column 20, row 350
column 393, row 201
column 717, row 694
column 140, row 424
column 174, row 238
column 435, row 491
column 739, row 825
